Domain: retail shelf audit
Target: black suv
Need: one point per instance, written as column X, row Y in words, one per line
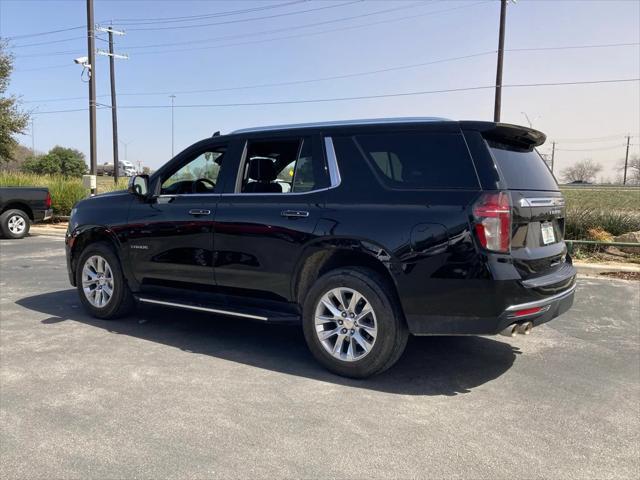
column 360, row 231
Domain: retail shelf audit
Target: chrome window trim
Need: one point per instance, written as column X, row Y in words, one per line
column 332, row 163
column 173, row 195
column 542, row 202
column 335, row 178
column 340, row 123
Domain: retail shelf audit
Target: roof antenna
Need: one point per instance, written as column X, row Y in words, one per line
column 216, row 134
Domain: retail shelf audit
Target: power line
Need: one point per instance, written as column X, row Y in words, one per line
column 47, row 54
column 267, row 32
column 320, row 79
column 297, row 27
column 602, row 45
column 40, row 34
column 613, row 147
column 266, row 17
column 592, row 139
column 36, row 44
column 367, row 97
column 190, row 18
column 78, row 27
column 276, row 84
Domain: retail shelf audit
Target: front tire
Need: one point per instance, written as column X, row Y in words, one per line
column 353, row 323
column 15, row 223
column 102, row 287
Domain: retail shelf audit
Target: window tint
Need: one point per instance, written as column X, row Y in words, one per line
column 411, row 160
column 199, row 175
column 522, row 169
column 282, row 166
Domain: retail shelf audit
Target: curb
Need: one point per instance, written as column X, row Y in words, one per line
column 47, row 232
column 598, row 268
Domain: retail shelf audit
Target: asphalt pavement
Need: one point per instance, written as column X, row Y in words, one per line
column 174, row 394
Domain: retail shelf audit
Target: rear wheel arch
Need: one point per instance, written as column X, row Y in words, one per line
column 331, row 257
column 18, row 206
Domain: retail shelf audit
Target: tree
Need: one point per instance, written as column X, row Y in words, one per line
column 583, row 171
column 633, row 170
column 12, row 120
column 59, row 160
column 19, row 155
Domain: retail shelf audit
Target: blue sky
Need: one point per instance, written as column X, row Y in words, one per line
column 403, row 33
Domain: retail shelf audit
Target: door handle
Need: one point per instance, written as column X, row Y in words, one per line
column 196, row 212
column 294, row 213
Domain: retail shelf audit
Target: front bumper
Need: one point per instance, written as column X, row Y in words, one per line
column 68, row 241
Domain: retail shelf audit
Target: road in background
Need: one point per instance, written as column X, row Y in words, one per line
column 168, row 393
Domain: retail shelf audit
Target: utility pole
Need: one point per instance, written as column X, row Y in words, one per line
column 626, row 161
column 498, row 100
column 33, row 139
column 91, row 47
column 114, row 110
column 126, row 144
column 553, row 154
column 172, row 97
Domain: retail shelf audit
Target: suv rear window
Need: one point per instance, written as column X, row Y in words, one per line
column 522, row 169
column 417, row 160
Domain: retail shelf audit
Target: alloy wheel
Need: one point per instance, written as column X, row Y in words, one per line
column 97, row 281
column 346, row 324
column 17, row 224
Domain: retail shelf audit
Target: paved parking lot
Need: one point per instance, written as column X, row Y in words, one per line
column 170, row 394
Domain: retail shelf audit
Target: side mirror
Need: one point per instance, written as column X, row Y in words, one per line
column 139, row 185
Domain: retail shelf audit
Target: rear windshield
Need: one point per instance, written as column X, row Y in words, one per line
column 522, row 169
column 413, row 160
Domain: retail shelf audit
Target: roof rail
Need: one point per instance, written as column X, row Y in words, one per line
column 338, row 123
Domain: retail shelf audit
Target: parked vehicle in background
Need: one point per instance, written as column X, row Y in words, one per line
column 127, row 169
column 385, row 228
column 19, row 206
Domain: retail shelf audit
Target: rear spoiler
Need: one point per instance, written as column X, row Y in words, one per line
column 516, row 135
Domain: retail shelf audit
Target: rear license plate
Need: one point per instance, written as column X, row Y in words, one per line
column 547, row 233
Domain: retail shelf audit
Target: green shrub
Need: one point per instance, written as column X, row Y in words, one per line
column 580, row 220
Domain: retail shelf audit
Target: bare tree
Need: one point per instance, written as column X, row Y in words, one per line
column 583, row 171
column 633, row 170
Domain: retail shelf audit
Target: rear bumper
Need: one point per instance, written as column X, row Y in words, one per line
column 546, row 299
column 551, row 308
column 41, row 215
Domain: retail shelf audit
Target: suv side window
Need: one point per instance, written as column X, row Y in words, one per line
column 281, row 166
column 419, row 160
column 197, row 176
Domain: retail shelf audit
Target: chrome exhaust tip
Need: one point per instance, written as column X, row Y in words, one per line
column 510, row 331
column 525, row 328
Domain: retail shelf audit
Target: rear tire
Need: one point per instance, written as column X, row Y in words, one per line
column 353, row 323
column 102, row 287
column 15, row 223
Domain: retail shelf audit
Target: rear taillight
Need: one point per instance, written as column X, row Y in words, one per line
column 492, row 215
column 47, row 201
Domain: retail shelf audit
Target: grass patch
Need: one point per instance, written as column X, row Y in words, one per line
column 614, row 210
column 65, row 191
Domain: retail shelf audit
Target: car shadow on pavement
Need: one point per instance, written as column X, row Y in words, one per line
column 429, row 366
